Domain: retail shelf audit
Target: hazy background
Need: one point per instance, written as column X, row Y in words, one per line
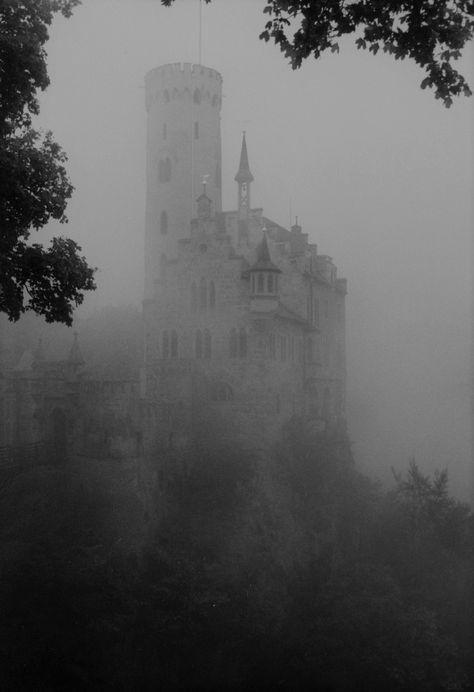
column 379, row 173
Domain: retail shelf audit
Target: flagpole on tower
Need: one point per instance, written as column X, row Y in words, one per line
column 200, row 32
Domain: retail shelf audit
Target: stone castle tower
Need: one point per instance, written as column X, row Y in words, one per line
column 244, row 320
column 183, row 104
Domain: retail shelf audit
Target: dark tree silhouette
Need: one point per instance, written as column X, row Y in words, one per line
column 34, row 186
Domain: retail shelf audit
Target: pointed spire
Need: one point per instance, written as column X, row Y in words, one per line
column 75, row 356
column 244, row 175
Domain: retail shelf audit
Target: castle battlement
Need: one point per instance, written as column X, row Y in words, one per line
column 198, row 84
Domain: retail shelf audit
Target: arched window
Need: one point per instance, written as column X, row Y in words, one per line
column 194, row 297
column 198, row 344
column 212, row 295
column 270, row 283
column 203, row 294
column 233, row 346
column 243, row 343
column 166, row 345
column 260, row 283
column 164, row 223
column 197, row 96
column 207, row 343
column 326, row 409
column 167, row 169
column 174, row 344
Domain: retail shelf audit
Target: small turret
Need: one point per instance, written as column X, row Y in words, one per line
column 264, row 279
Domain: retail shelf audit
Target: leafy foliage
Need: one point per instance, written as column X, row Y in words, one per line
column 431, row 33
column 34, row 187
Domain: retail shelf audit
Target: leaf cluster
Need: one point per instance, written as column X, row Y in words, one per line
column 432, row 34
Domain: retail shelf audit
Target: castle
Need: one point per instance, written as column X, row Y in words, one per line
column 244, row 322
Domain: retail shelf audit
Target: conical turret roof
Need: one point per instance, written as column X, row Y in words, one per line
column 244, row 175
column 264, row 261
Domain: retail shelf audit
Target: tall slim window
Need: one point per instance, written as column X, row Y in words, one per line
column 198, row 344
column 233, row 345
column 212, row 295
column 194, row 297
column 243, row 343
column 283, row 347
column 260, row 283
column 164, row 223
column 196, row 130
column 271, row 345
column 316, row 312
column 203, row 294
column 207, row 343
column 174, row 344
column 270, row 283
column 165, row 131
column 166, row 345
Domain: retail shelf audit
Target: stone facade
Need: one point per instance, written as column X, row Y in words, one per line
column 244, row 320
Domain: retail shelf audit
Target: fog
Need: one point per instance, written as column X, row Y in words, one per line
column 378, row 172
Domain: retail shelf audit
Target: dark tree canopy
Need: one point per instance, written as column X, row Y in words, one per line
column 430, row 32
column 34, row 186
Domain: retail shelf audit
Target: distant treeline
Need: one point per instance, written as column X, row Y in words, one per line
column 290, row 571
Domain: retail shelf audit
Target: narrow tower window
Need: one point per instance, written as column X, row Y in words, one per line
column 207, row 343
column 166, row 345
column 167, row 169
column 174, row 344
column 164, row 223
column 260, row 283
column 165, row 131
column 233, row 343
column 196, row 130
column 198, row 344
column 243, row 343
column 194, row 297
column 203, row 294
column 270, row 283
column 212, row 295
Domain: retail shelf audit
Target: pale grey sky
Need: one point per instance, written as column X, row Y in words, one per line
column 379, row 173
